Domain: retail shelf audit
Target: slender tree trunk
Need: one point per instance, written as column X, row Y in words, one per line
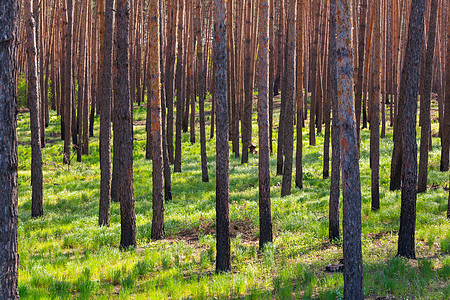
column 288, row 94
column 35, row 120
column 248, row 103
column 178, row 85
column 223, row 262
column 334, row 228
column 265, row 219
column 105, row 119
column 360, row 67
column 155, row 107
column 353, row 268
column 425, row 100
column 409, row 91
column 166, row 164
column 123, row 134
column 9, row 257
column 280, row 154
column 202, row 95
column 375, row 111
column 169, row 81
column 299, row 100
column 314, row 70
column 69, row 84
column 445, row 138
column 271, row 68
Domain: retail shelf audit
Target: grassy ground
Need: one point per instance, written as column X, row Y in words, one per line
column 66, row 255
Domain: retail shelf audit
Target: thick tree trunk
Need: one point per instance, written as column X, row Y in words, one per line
column 123, row 134
column 105, row 119
column 223, row 260
column 425, row 101
column 409, row 91
column 353, row 268
column 9, row 258
column 265, row 219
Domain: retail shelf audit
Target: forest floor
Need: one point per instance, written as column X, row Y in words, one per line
column 66, row 255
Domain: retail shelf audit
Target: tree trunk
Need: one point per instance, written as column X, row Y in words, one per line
column 409, row 91
column 223, row 262
column 334, row 228
column 271, row 68
column 248, row 102
column 265, row 219
column 35, row 119
column 9, row 258
column 155, row 107
column 445, row 138
column 353, row 268
column 105, row 119
column 68, row 85
column 360, row 67
column 425, row 100
column 299, row 100
column 123, row 134
column 202, row 95
column 178, row 85
column 375, row 111
column 288, row 94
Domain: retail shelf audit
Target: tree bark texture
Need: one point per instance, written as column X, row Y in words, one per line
column 223, row 262
column 445, row 138
column 375, row 111
column 425, row 100
column 155, row 107
column 68, row 87
column 334, row 227
column 34, row 97
column 265, row 219
column 299, row 100
column 123, row 135
column 105, row 120
column 9, row 258
column 353, row 268
column 409, row 87
column 288, row 94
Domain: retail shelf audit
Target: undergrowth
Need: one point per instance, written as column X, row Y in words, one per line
column 66, row 255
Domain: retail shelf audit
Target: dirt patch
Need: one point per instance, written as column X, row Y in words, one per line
column 244, row 227
column 23, row 110
column 379, row 235
column 139, row 123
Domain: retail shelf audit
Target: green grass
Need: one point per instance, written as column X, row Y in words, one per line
column 66, row 255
